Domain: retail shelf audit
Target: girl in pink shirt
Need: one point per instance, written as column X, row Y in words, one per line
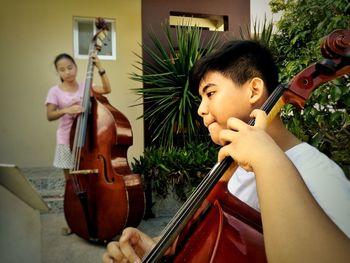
column 63, row 103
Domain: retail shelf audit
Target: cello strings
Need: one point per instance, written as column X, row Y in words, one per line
column 191, row 205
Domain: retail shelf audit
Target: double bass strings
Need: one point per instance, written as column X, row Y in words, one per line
column 82, row 120
column 76, row 153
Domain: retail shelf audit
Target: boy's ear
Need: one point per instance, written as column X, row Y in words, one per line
column 257, row 90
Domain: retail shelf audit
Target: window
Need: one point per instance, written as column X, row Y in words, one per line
column 206, row 22
column 83, row 31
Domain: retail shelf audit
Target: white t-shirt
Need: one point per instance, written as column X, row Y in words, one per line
column 324, row 178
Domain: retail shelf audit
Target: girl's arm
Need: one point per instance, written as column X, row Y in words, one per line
column 106, row 87
column 53, row 112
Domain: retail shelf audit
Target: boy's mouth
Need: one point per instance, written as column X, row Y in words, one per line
column 208, row 123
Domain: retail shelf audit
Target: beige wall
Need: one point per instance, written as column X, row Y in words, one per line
column 32, row 33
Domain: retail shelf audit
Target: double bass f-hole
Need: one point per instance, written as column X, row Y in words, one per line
column 104, row 172
column 102, row 195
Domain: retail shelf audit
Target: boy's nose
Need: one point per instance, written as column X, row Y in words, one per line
column 202, row 109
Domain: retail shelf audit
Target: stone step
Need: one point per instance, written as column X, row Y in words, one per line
column 49, row 183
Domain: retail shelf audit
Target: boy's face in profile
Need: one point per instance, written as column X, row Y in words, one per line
column 222, row 99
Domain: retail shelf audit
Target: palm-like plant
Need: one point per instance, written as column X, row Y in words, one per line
column 170, row 103
column 259, row 33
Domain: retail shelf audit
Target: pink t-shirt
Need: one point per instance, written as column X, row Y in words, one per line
column 63, row 99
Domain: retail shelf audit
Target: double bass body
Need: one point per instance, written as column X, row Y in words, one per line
column 105, row 196
column 102, row 195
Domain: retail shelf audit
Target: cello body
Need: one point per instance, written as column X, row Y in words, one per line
column 213, row 225
column 225, row 228
column 110, row 196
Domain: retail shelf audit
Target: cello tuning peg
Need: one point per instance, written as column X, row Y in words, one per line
column 326, row 67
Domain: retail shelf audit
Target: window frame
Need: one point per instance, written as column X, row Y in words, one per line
column 111, row 36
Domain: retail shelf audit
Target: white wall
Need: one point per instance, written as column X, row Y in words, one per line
column 259, row 9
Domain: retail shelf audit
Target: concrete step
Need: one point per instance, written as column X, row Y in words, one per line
column 49, row 183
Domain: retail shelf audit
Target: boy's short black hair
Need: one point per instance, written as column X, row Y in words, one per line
column 239, row 60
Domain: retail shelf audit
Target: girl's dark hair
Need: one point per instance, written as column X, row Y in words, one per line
column 239, row 60
column 61, row 56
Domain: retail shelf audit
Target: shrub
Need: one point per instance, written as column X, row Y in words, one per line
column 325, row 120
column 178, row 169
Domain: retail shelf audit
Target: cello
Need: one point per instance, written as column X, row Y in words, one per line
column 102, row 195
column 213, row 225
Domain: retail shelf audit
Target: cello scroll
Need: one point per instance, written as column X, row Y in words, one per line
column 207, row 194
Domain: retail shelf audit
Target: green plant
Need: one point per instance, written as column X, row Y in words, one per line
column 178, row 169
column 170, row 105
column 325, row 120
column 260, row 33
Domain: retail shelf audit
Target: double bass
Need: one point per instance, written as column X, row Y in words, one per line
column 102, row 195
column 215, row 226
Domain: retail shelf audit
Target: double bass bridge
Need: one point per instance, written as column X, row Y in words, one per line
column 86, row 171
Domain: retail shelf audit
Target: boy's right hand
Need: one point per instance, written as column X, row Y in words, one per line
column 131, row 247
column 249, row 146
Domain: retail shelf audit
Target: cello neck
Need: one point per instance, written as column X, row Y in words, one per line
column 221, row 171
column 336, row 50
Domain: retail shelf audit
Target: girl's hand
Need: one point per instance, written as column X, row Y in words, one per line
column 74, row 110
column 247, row 145
column 96, row 60
column 105, row 88
column 54, row 113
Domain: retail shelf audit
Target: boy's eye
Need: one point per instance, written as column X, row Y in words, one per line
column 210, row 93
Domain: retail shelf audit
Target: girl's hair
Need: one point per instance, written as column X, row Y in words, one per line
column 62, row 56
column 239, row 60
